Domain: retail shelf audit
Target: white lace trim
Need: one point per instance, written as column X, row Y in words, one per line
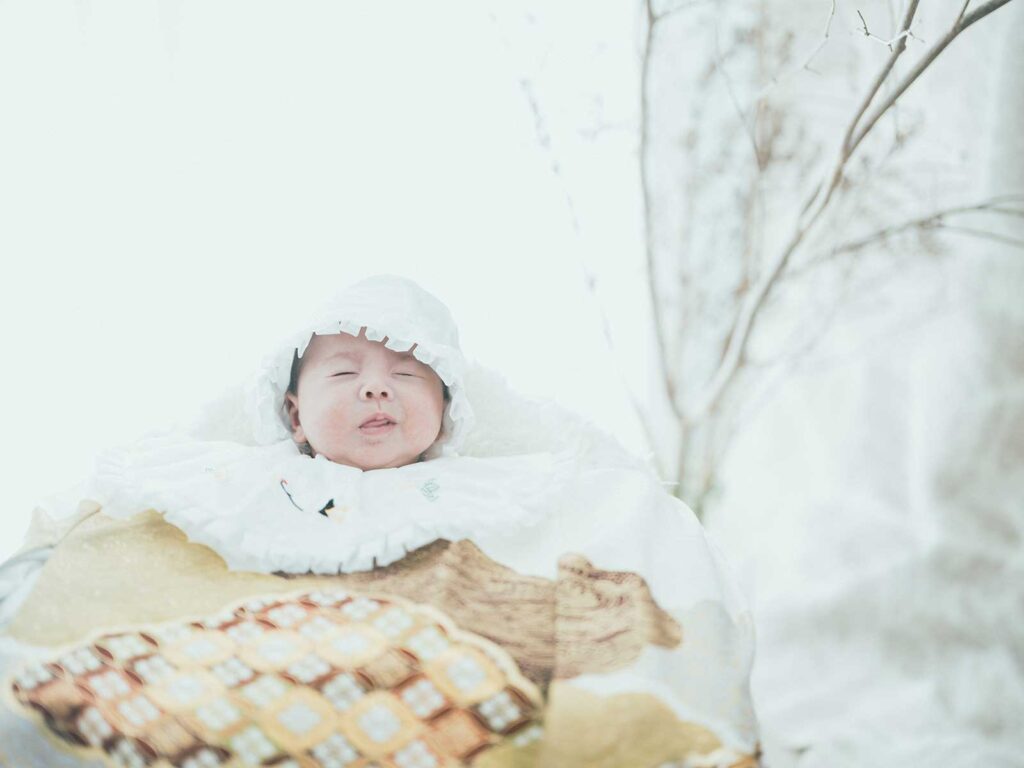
column 231, row 498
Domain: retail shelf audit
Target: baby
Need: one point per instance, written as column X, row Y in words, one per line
column 356, row 402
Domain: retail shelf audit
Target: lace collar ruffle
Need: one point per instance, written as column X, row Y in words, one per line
column 273, row 509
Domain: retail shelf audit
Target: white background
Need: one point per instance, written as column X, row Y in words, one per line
column 181, row 182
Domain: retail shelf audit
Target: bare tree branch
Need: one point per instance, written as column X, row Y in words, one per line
column 935, row 220
column 667, row 375
column 847, row 147
column 819, row 201
column 984, row 234
column 704, row 421
column 962, row 22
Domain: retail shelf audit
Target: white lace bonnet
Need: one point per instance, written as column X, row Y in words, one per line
column 387, row 306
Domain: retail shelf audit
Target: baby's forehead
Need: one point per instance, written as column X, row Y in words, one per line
column 322, row 347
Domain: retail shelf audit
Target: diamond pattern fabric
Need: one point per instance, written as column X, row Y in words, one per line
column 307, row 679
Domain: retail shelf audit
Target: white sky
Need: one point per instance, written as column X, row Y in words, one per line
column 180, row 180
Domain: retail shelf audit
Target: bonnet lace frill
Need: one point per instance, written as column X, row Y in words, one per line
column 247, row 492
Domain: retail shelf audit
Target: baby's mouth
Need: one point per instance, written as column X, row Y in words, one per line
column 377, row 423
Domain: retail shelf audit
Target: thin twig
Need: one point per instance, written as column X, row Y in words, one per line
column 887, row 43
column 936, row 220
column 667, row 377
column 543, row 137
column 984, row 234
column 806, row 66
column 730, row 91
column 645, row 423
column 659, row 17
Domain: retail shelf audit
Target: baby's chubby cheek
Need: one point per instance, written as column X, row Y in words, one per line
column 423, row 434
column 326, row 423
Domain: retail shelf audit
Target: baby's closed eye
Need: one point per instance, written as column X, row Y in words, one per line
column 397, row 373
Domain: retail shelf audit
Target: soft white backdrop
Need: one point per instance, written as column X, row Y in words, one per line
column 179, row 181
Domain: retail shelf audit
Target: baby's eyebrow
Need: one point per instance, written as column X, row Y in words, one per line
column 358, row 356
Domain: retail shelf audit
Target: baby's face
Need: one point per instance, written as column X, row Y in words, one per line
column 364, row 405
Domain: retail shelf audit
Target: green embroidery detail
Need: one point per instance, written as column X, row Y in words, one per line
column 430, row 490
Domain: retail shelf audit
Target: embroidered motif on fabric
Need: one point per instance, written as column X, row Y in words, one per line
column 310, row 679
column 431, row 490
column 328, row 510
column 284, row 487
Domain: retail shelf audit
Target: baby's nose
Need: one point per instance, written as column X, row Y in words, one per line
column 375, row 392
